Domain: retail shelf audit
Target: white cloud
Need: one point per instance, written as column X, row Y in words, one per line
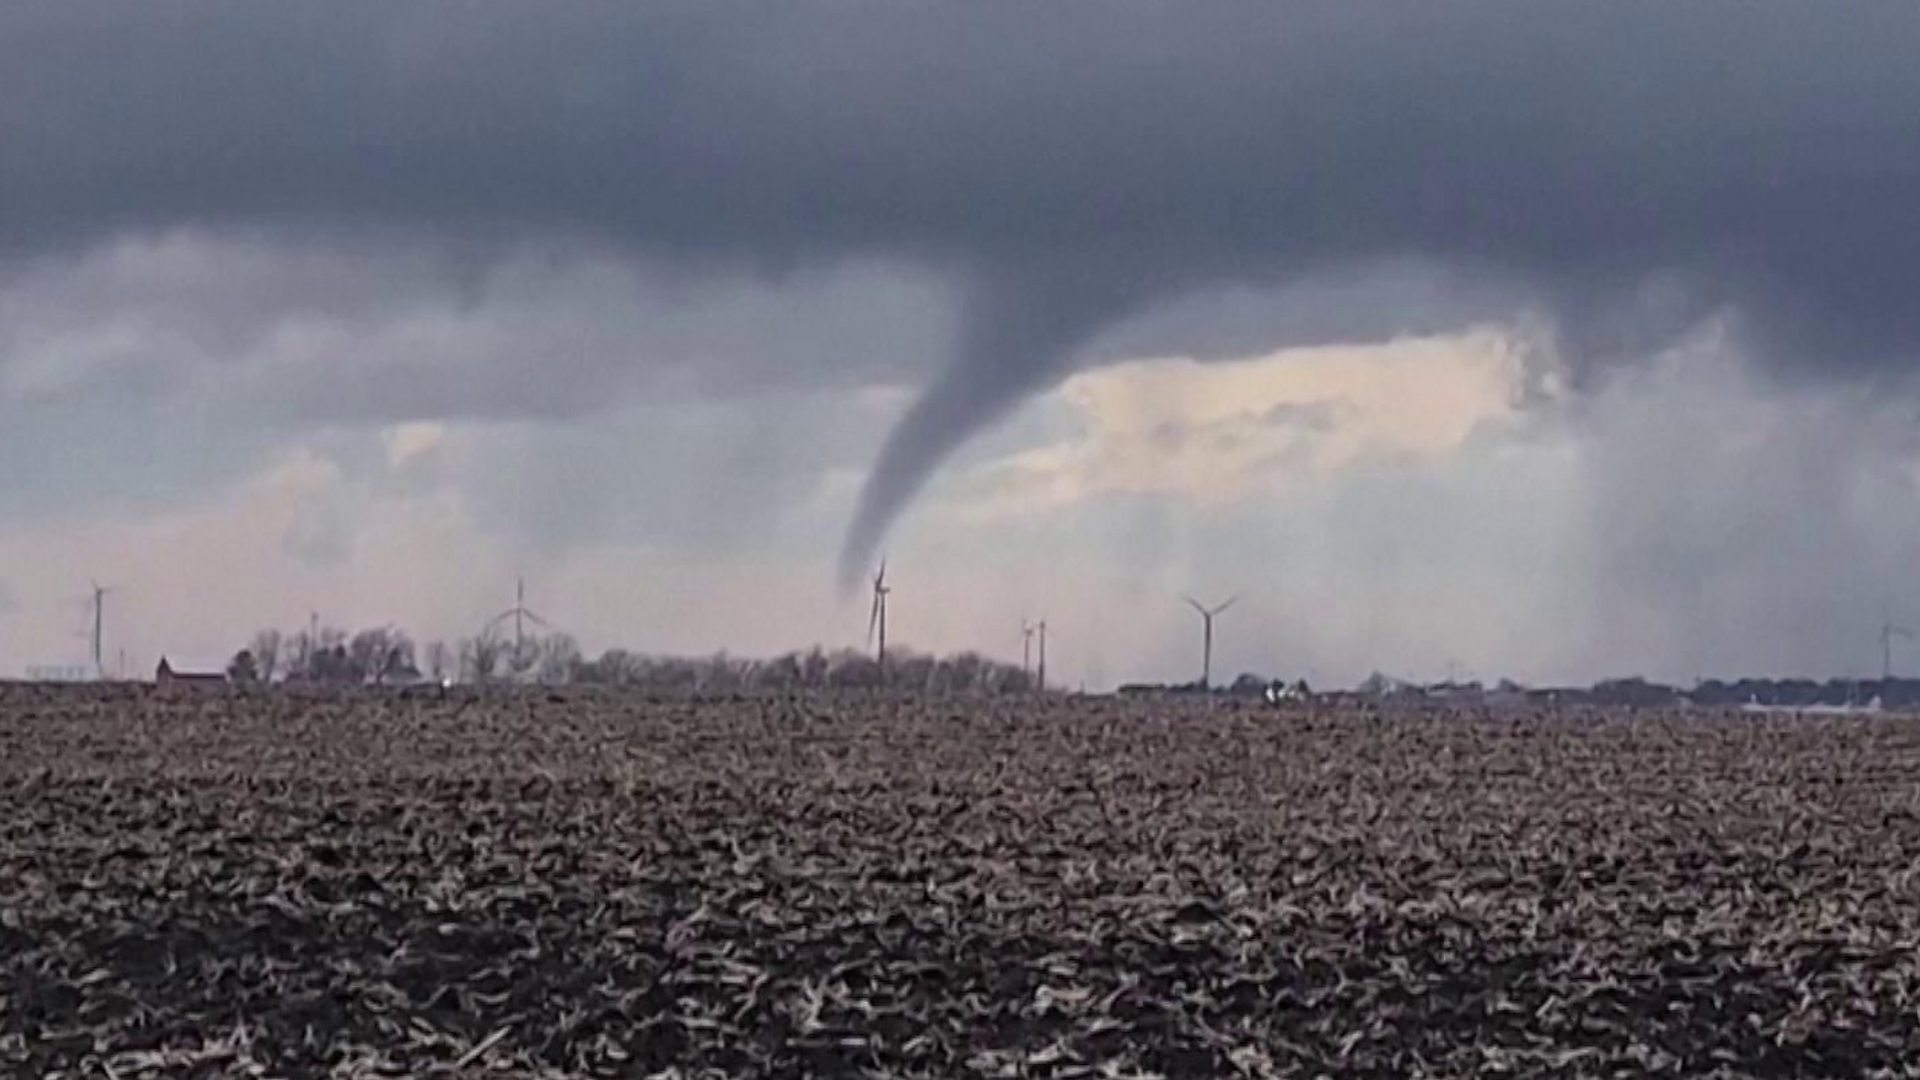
column 1219, row 432
column 408, row 442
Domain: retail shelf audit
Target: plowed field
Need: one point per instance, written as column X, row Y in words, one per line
column 574, row 885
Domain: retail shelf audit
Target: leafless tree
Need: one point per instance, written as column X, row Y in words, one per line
column 379, row 655
column 243, row 668
column 522, row 659
column 440, row 660
column 558, row 657
column 481, row 656
column 299, row 648
column 265, row 649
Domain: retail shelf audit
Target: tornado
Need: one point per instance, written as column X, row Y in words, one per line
column 1018, row 332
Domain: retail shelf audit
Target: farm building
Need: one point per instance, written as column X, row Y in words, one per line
column 168, row 675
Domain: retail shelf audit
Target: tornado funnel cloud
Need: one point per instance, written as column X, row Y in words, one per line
column 944, row 416
column 1017, row 334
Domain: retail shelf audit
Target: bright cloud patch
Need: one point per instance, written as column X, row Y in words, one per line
column 409, row 442
column 1214, row 433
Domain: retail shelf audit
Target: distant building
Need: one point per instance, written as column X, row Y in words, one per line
column 167, row 675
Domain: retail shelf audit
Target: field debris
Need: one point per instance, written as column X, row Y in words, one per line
column 572, row 884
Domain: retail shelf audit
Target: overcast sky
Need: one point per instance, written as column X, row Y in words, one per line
column 1554, row 340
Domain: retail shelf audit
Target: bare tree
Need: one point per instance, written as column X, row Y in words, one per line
column 300, row 650
column 481, row 655
column 440, row 660
column 620, row 667
column 266, row 648
column 380, row 654
column 327, row 658
column 243, row 668
column 558, row 658
column 909, row 670
column 308, row 655
column 780, row 673
column 523, row 659
column 815, row 668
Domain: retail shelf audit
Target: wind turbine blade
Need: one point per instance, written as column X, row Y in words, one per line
column 532, row 618
column 1232, row 600
column 1196, row 605
column 873, row 619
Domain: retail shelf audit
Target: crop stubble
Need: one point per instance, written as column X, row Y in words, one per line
column 574, row 884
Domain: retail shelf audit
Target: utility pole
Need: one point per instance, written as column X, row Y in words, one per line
column 1026, row 652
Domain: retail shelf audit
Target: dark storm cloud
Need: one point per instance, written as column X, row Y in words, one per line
column 1626, row 168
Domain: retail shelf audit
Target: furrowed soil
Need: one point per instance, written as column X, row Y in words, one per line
column 576, row 885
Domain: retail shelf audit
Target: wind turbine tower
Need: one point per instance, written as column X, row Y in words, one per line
column 1888, row 632
column 1206, row 653
column 1041, row 684
column 1026, row 651
column 99, row 620
column 521, row 615
column 98, row 629
column 877, row 619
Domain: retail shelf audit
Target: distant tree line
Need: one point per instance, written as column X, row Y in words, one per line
column 327, row 654
column 1724, row 693
column 1892, row 693
column 963, row 673
column 387, row 656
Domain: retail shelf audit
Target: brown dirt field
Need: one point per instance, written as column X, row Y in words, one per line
column 579, row 885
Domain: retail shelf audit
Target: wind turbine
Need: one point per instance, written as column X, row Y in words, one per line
column 1041, row 683
column 1888, row 632
column 521, row 615
column 1206, row 618
column 99, row 615
column 1026, row 651
column 877, row 619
